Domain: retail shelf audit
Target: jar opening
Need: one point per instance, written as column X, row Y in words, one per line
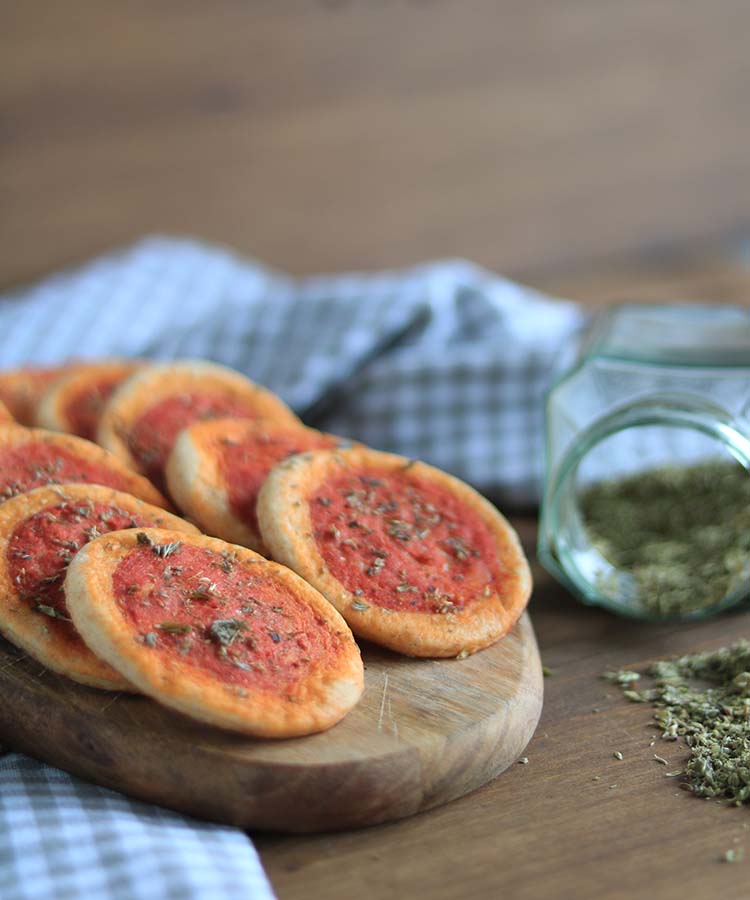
column 652, row 519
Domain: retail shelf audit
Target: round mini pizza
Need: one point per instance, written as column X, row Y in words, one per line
column 32, row 457
column 413, row 558
column 74, row 401
column 144, row 416
column 40, row 534
column 21, row 389
column 216, row 469
column 234, row 639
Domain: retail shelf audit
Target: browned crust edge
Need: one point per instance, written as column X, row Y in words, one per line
column 20, row 389
column 51, row 409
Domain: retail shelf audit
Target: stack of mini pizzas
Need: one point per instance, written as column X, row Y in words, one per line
column 242, row 613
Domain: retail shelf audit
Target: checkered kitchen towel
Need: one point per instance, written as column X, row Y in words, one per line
column 444, row 362
column 63, row 838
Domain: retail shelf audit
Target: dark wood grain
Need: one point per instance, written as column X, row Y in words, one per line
column 424, row 732
column 325, row 135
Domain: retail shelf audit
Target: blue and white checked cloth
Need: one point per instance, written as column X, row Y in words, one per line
column 444, row 362
column 63, row 838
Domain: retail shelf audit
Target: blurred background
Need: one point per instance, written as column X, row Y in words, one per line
column 592, row 147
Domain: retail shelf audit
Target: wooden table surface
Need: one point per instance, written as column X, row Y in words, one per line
column 325, row 134
column 598, row 149
column 573, row 824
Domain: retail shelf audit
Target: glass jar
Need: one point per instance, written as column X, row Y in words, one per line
column 647, row 455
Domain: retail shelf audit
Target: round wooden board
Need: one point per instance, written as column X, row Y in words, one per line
column 424, row 733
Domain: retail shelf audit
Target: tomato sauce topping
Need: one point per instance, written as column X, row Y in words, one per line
column 34, row 464
column 403, row 543
column 154, row 433
column 85, row 406
column 245, row 463
column 41, row 547
column 229, row 619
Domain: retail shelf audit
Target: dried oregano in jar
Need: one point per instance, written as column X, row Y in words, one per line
column 681, row 532
column 656, row 397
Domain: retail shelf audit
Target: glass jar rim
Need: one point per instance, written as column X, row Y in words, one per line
column 662, row 409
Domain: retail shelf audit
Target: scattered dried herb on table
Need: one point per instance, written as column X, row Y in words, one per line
column 683, row 533
column 704, row 699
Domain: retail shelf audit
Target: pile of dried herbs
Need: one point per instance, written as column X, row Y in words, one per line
column 704, row 699
column 682, row 533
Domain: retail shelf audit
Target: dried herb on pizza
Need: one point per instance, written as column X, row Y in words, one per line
column 216, row 469
column 32, row 457
column 40, row 534
column 74, row 402
column 144, row 417
column 413, row 558
column 234, row 640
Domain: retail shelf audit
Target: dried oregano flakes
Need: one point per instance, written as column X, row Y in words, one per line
column 705, row 700
column 681, row 532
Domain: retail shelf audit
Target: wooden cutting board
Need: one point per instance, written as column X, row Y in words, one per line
column 424, row 733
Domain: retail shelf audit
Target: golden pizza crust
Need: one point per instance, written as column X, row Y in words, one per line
column 158, row 382
column 321, row 700
column 5, row 415
column 197, row 482
column 132, row 482
column 286, row 526
column 52, row 409
column 38, row 634
column 20, row 389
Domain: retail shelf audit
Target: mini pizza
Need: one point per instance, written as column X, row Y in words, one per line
column 21, row 389
column 216, row 468
column 413, row 558
column 40, row 533
column 234, row 640
column 32, row 457
column 74, row 401
column 144, row 416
